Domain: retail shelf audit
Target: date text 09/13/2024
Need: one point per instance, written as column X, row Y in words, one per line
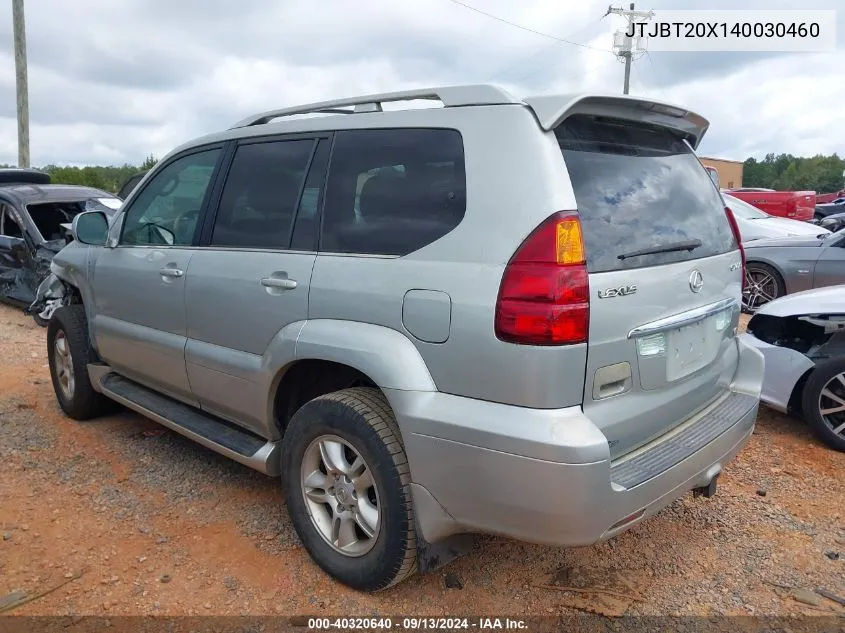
column 415, row 623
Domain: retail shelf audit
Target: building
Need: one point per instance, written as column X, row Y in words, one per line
column 730, row 171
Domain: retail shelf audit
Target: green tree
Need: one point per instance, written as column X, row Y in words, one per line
column 149, row 162
column 784, row 172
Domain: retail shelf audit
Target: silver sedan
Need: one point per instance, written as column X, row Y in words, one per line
column 802, row 338
column 781, row 266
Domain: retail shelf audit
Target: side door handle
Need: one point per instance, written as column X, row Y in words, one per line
column 282, row 283
column 171, row 272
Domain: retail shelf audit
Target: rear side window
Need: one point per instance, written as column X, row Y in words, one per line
column 261, row 194
column 639, row 187
column 393, row 191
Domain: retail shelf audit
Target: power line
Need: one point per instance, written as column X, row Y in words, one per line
column 543, row 50
column 521, row 61
column 525, row 28
column 654, row 68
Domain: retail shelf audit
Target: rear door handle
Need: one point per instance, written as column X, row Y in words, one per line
column 171, row 272
column 278, row 282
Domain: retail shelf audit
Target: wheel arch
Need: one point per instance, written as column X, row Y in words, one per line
column 329, row 355
column 794, row 402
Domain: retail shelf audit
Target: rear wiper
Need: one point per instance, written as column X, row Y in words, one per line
column 671, row 247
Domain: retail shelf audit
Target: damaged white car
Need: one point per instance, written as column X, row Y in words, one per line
column 802, row 337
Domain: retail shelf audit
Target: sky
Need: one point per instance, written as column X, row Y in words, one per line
column 113, row 82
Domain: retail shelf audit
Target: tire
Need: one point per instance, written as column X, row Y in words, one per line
column 828, row 378
column 350, row 424
column 71, row 383
column 767, row 279
column 39, row 321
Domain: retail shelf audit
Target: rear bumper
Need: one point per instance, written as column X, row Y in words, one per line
column 546, row 476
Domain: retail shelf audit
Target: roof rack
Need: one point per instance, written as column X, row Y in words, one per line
column 449, row 96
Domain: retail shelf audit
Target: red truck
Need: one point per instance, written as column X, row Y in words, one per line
column 795, row 205
column 824, row 198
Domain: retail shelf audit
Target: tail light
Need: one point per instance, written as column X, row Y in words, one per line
column 738, row 237
column 544, row 298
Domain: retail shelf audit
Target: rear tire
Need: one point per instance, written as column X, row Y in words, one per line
column 356, row 522
column 68, row 353
column 825, row 391
column 39, row 321
column 762, row 284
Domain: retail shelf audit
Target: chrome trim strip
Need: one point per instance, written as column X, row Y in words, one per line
column 684, row 318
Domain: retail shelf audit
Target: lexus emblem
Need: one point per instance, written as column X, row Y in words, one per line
column 696, row 281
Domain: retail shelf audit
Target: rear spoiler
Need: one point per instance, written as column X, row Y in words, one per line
column 552, row 110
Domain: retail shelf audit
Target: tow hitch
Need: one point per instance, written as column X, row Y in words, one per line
column 706, row 491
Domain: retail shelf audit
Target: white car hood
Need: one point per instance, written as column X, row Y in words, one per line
column 780, row 227
column 829, row 300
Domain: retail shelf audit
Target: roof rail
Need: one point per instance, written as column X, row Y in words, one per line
column 450, row 96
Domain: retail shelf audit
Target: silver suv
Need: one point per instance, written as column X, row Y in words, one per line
column 499, row 315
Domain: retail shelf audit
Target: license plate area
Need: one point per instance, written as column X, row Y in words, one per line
column 691, row 348
column 670, row 355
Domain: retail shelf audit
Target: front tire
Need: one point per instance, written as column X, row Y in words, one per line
column 347, row 487
column 823, row 403
column 68, row 354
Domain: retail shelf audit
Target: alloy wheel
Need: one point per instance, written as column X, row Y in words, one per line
column 341, row 495
column 832, row 404
column 760, row 288
column 63, row 365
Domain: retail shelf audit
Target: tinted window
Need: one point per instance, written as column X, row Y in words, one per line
column 167, row 210
column 639, row 187
column 129, row 185
column 261, row 194
column 391, row 192
column 307, row 217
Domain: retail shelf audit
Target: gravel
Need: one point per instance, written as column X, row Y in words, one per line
column 193, row 528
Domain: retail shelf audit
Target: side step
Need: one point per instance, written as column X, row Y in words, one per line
column 212, row 432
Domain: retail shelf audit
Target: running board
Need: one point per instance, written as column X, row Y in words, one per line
column 212, row 432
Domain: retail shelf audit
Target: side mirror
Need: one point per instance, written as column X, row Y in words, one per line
column 90, row 227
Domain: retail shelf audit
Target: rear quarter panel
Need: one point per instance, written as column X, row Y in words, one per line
column 515, row 179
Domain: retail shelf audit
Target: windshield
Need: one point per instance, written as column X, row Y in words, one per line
column 742, row 209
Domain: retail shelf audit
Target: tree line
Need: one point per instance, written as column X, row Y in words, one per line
column 106, row 177
column 785, row 172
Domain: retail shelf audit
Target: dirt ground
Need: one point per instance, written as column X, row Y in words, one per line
column 157, row 525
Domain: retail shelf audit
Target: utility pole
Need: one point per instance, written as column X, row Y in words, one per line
column 22, row 84
column 626, row 46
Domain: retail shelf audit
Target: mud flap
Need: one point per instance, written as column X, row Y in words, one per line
column 433, row 556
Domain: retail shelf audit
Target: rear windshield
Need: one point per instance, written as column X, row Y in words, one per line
column 639, row 187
